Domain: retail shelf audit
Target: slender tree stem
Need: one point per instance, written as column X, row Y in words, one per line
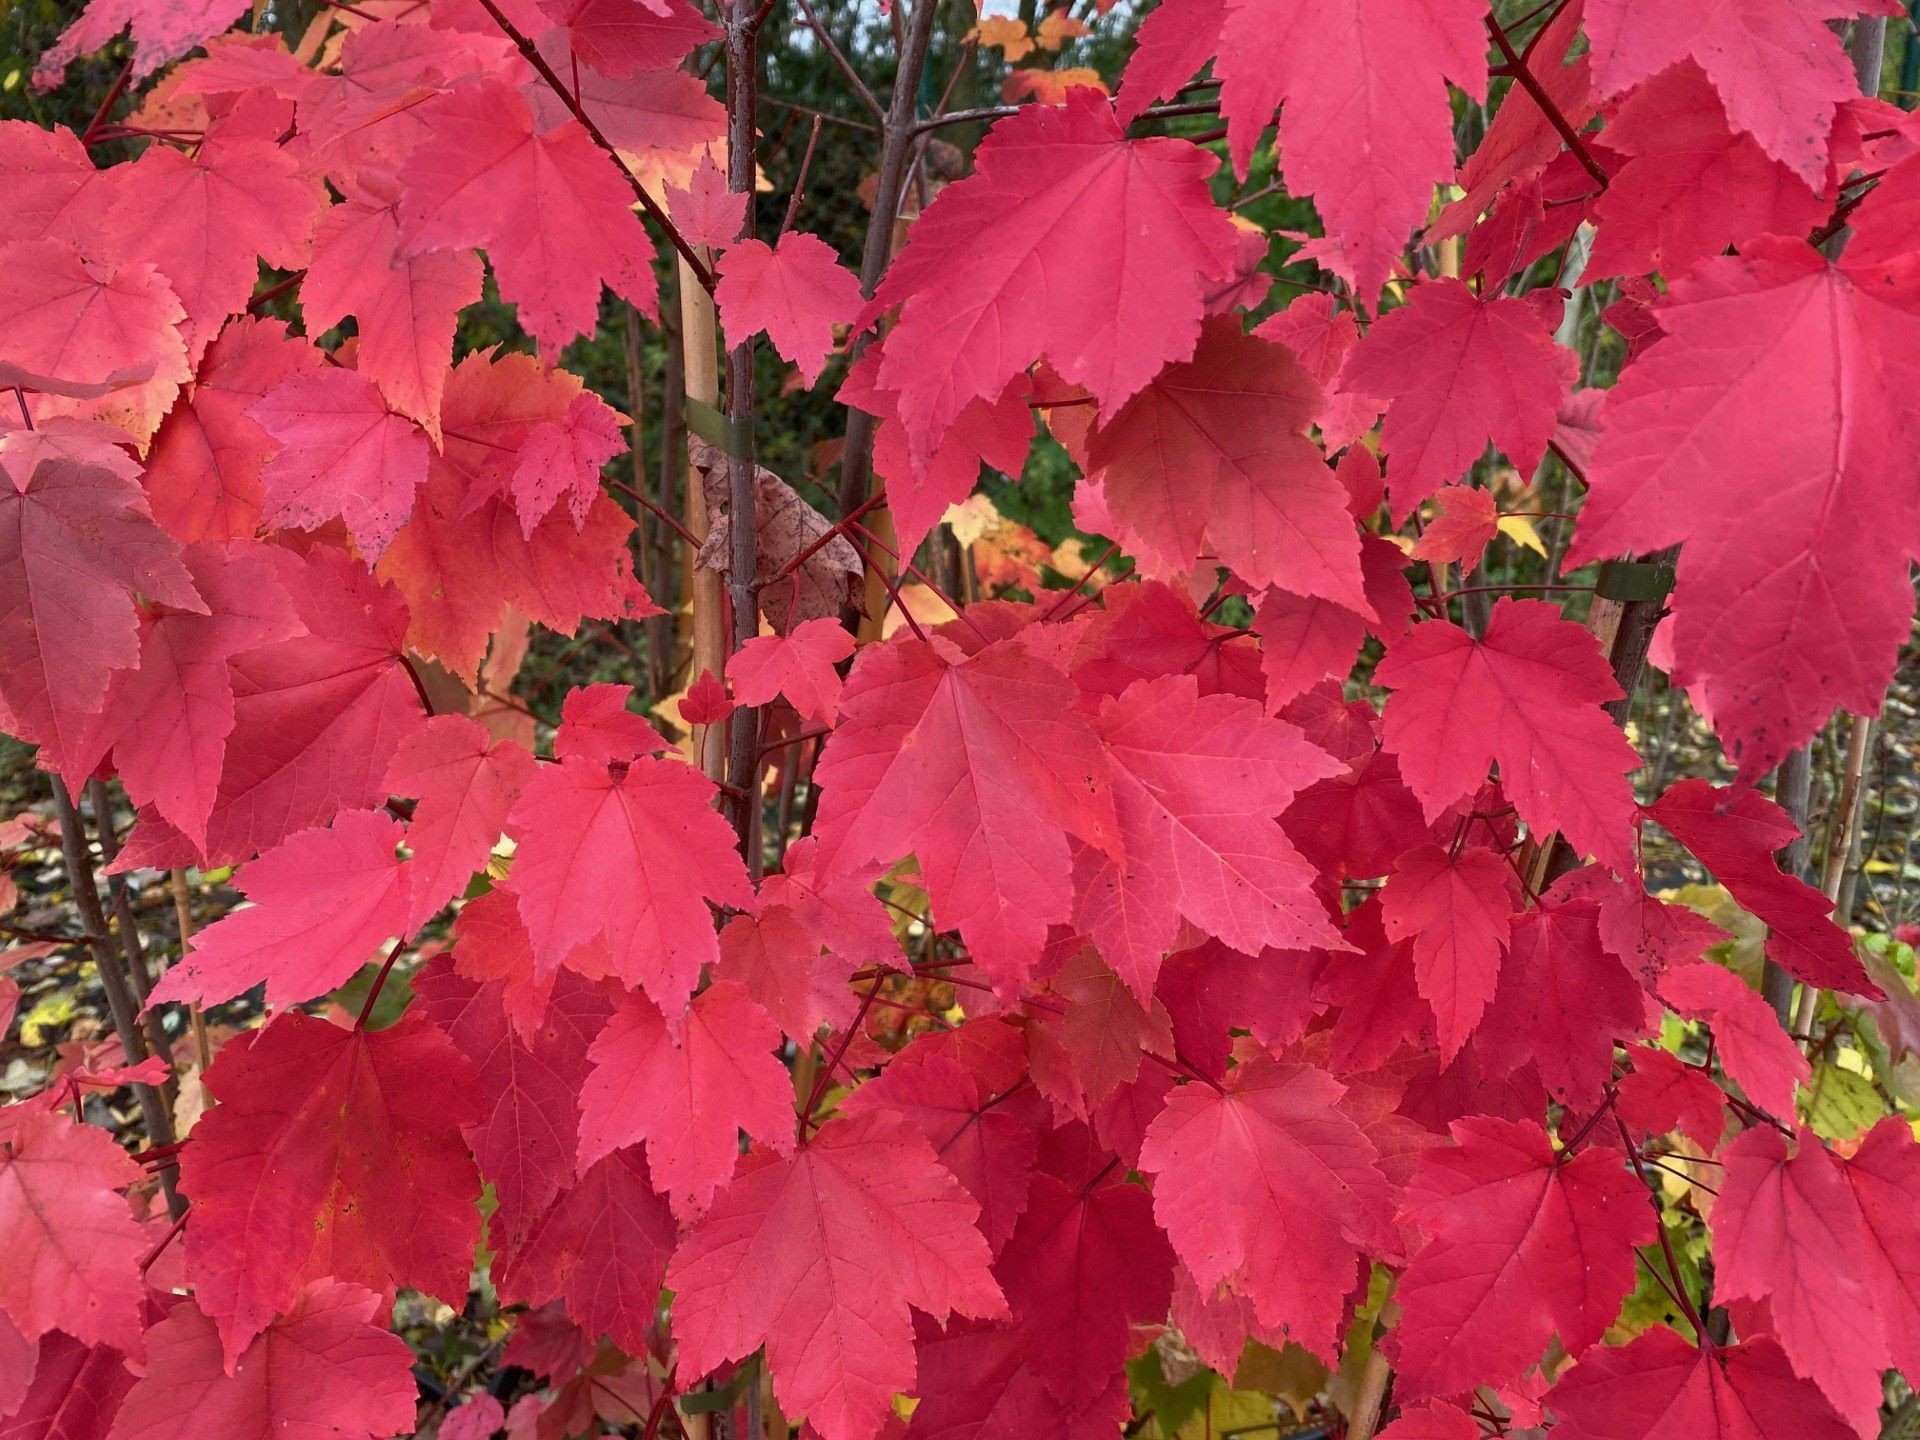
column 121, row 1003
column 1524, row 77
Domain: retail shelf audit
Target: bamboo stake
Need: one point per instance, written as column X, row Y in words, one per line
column 1834, row 870
column 699, row 347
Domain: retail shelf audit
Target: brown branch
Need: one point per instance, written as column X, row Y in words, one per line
column 1526, row 80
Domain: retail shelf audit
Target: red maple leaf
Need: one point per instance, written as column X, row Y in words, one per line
column 102, row 339
column 1776, row 1207
column 1465, row 522
column 601, row 1249
column 70, row 1249
column 465, row 782
column 1734, row 833
column 203, row 472
column 704, row 211
column 1365, row 126
column 982, row 766
column 1461, row 372
column 1197, row 782
column 1824, row 353
column 530, row 1078
column 1456, row 908
column 1747, row 1036
column 404, row 307
column 332, row 1153
column 546, row 205
column 206, row 219
column 1778, row 67
column 687, row 1090
column 1659, row 1385
column 1526, row 694
column 1020, row 259
column 342, row 453
column 75, row 1392
column 632, row 854
column 1691, row 187
column 796, row 291
column 1523, row 1246
column 75, row 539
column 799, row 666
column 564, row 458
column 1212, row 458
column 837, row 1243
column 325, row 900
column 160, row 32
column 1085, row 1264
column 1268, row 1186
column 328, row 1355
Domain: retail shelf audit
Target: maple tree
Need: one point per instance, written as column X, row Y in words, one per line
column 1075, row 849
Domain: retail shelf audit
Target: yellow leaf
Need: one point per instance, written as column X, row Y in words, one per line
column 54, row 1012
column 972, row 518
column 1519, row 529
column 1006, row 34
column 1058, row 28
column 1841, row 1102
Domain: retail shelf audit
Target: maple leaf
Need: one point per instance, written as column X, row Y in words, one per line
column 1823, row 351
column 1523, row 1245
column 1456, row 909
column 1562, row 1000
column 404, row 307
column 687, row 1091
column 480, row 1418
column 796, row 291
column 1020, row 260
column 961, row 1091
column 203, row 472
column 1267, row 1185
column 977, row 1380
column 1212, row 457
column 1366, row 130
column 632, row 857
column 1092, row 1045
column 1882, row 1173
column 839, row 1240
column 1196, row 782
column 1466, row 521
column 1321, row 336
column 1773, row 1209
column 548, row 208
column 75, row 540
column 1778, row 67
column 1662, row 1094
column 316, row 718
column 167, row 720
column 1660, row 1385
column 704, row 211
column 597, row 726
column 72, row 1249
column 530, row 1079
column 1747, row 1036
column 619, row 39
column 1735, row 833
column 332, row 1153
column 826, row 572
column 342, row 453
column 1690, row 187
column 1526, row 694
column 111, row 330
column 1461, row 372
column 981, row 766
column 465, row 782
column 799, row 666
column 56, row 192
column 564, row 458
column 811, row 933
column 160, row 32
column 206, row 220
column 602, row 1249
column 325, row 900
column 328, row 1355
column 1084, row 1265
column 75, row 1392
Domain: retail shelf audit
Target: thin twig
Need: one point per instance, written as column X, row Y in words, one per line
column 1524, row 77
